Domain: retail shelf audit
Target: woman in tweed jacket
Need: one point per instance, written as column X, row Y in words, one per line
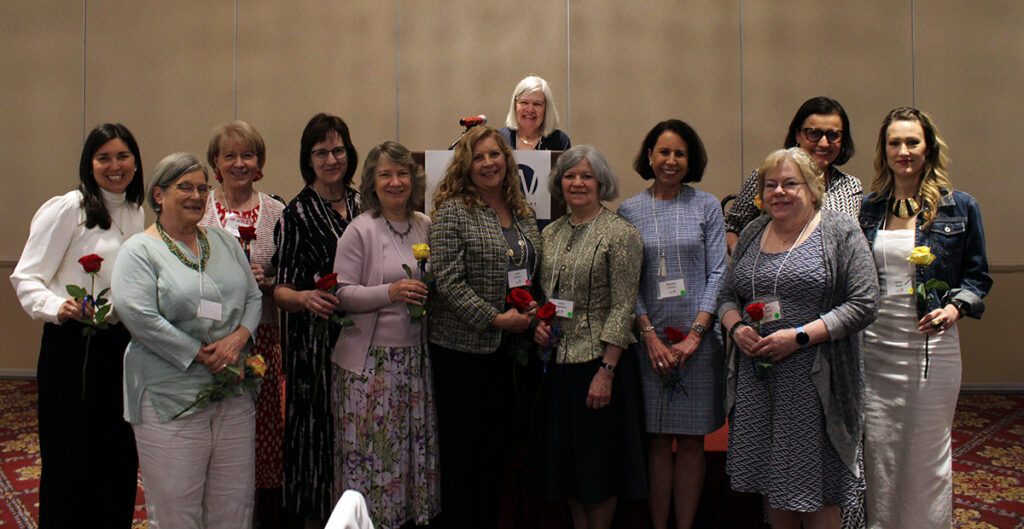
column 484, row 241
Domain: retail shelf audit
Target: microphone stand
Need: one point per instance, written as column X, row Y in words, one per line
column 456, row 142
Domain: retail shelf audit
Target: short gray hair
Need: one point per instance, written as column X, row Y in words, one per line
column 169, row 170
column 530, row 85
column 607, row 184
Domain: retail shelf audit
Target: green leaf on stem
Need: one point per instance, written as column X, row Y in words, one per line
column 76, row 291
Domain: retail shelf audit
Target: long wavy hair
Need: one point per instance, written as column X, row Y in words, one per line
column 96, row 213
column 934, row 173
column 457, row 182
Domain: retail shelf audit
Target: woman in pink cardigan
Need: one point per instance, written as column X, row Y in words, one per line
column 385, row 424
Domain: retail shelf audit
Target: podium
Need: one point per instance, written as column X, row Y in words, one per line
column 534, row 168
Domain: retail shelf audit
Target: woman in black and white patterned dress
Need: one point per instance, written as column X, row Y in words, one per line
column 306, row 239
column 796, row 392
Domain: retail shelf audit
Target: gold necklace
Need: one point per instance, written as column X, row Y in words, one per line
column 204, row 247
column 904, row 208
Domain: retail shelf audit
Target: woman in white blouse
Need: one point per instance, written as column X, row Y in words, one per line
column 87, row 449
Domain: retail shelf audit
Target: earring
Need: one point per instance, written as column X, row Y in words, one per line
column 259, row 174
column 216, row 174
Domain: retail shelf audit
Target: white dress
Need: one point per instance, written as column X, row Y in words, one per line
column 908, row 418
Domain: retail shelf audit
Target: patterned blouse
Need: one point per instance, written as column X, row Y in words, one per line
column 842, row 193
column 596, row 265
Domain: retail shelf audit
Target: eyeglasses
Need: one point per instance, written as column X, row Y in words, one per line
column 788, row 186
column 321, row 154
column 188, row 189
column 833, row 136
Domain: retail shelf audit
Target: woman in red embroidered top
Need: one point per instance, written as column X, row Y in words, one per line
column 237, row 154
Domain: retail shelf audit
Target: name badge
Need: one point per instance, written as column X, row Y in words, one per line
column 210, row 310
column 772, row 311
column 232, row 221
column 671, row 288
column 563, row 307
column 899, row 287
column 518, row 278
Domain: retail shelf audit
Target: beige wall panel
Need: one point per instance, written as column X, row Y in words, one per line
column 166, row 70
column 463, row 58
column 20, row 347
column 858, row 53
column 637, row 63
column 298, row 59
column 991, row 347
column 41, row 104
column 970, row 76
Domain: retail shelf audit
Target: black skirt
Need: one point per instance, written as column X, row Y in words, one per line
column 594, row 455
column 89, row 463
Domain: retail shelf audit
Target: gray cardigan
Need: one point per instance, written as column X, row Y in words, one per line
column 851, row 298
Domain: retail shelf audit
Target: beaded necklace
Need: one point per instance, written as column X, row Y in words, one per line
column 204, row 248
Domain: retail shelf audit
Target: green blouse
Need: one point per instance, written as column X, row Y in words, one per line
column 596, row 265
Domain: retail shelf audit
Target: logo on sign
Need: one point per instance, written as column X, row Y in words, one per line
column 526, row 179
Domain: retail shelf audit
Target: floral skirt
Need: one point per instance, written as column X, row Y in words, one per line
column 269, row 410
column 386, row 436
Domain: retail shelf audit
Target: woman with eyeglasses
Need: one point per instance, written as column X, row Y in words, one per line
column 306, row 240
column 186, row 295
column 821, row 128
column 87, row 450
column 800, row 287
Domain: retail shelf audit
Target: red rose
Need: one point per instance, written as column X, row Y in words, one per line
column 247, row 233
column 91, row 263
column 328, row 282
column 674, row 335
column 546, row 313
column 756, row 311
column 519, row 298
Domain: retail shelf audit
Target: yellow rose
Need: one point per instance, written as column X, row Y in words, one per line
column 257, row 365
column 921, row 255
column 421, row 251
column 758, row 203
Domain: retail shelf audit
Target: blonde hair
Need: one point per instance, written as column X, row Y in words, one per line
column 457, row 182
column 934, row 173
column 814, row 176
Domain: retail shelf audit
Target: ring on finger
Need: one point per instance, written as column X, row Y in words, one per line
column 661, row 364
column 937, row 322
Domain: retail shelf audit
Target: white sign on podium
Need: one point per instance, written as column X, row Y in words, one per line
column 534, row 168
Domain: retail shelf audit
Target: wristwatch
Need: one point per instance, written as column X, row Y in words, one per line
column 698, row 329
column 961, row 308
column 608, row 367
column 802, row 338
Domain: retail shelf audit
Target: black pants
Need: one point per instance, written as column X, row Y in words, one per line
column 89, row 463
column 475, row 416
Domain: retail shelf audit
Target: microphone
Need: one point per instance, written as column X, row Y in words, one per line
column 473, row 121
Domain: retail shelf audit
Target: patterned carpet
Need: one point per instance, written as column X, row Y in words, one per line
column 988, row 460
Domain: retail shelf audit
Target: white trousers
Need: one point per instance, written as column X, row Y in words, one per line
column 199, row 471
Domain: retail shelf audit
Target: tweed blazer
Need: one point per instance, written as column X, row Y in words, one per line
column 468, row 257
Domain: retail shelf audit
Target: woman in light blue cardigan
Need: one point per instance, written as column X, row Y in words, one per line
column 188, row 298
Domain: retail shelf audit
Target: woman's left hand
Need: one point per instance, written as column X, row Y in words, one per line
column 682, row 351
column 261, row 276
column 225, row 351
column 777, row 345
column 938, row 320
column 600, row 393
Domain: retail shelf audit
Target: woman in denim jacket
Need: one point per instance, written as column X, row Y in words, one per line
column 912, row 351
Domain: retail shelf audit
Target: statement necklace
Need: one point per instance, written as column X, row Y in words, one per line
column 904, row 208
column 204, row 248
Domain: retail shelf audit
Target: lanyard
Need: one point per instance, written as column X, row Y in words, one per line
column 657, row 232
column 775, row 289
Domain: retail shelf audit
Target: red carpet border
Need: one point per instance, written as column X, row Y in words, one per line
column 988, row 460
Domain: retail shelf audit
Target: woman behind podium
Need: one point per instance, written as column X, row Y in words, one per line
column 532, row 122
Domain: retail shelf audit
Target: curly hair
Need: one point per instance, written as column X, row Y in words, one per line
column 457, row 182
column 934, row 173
